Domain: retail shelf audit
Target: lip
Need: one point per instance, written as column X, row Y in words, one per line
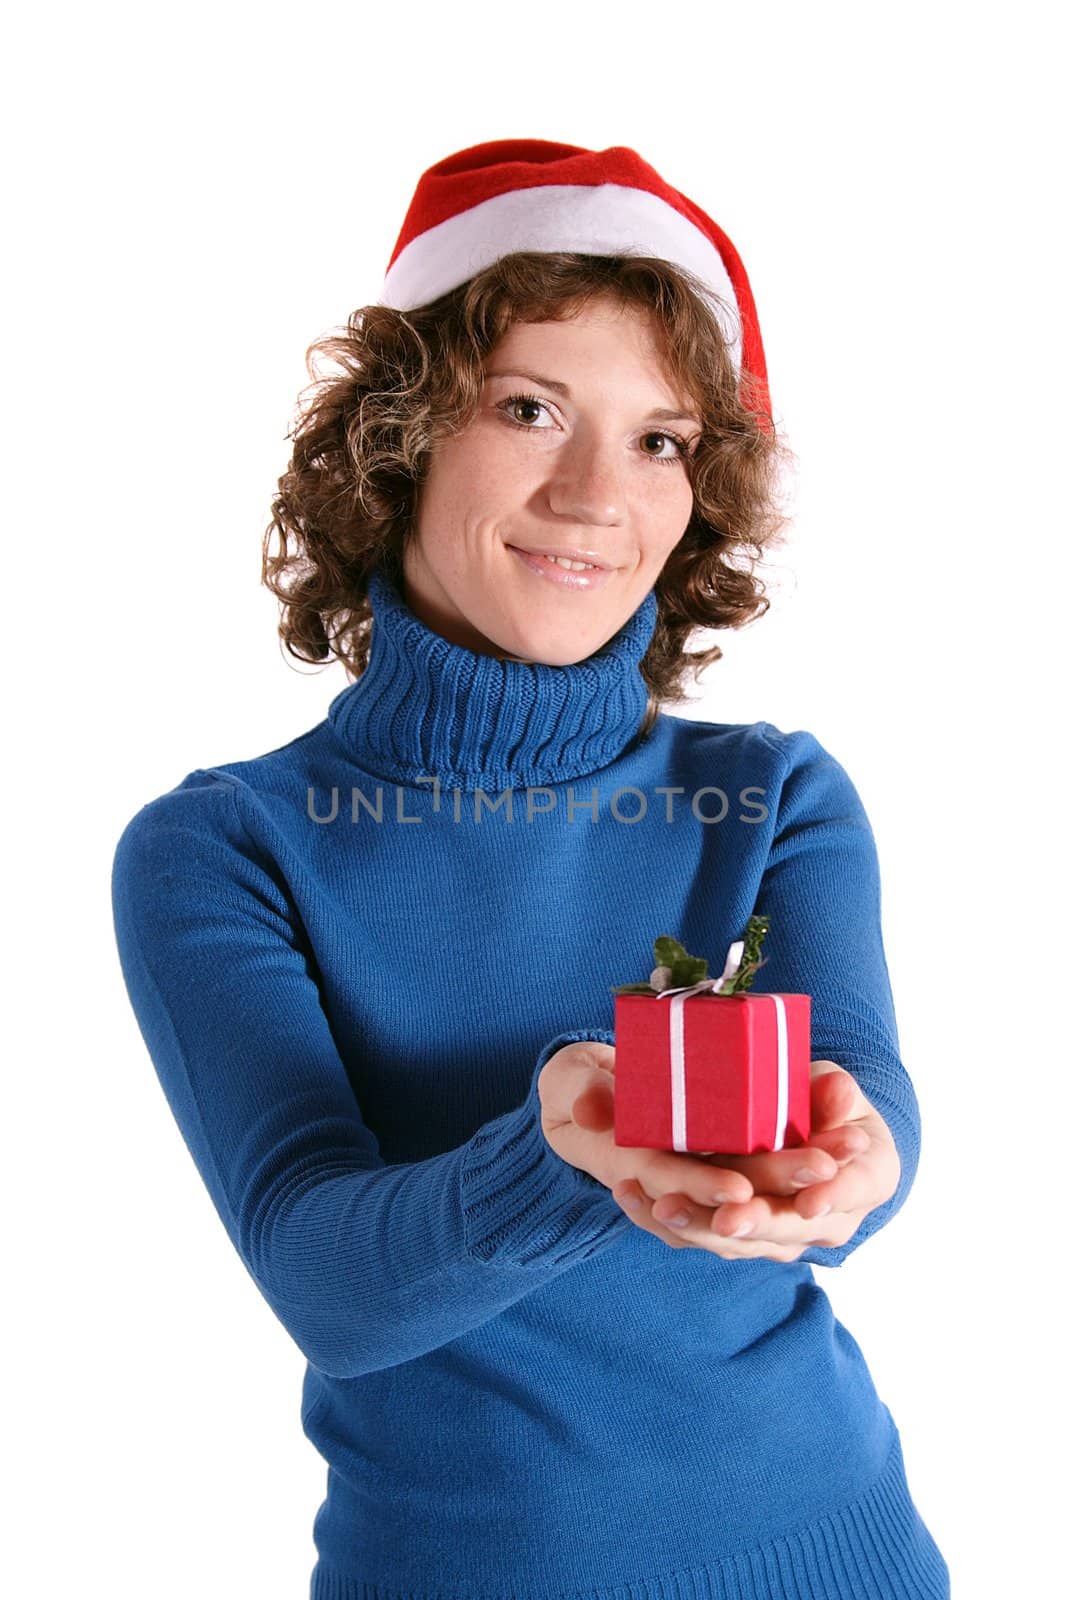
column 590, row 557
column 539, row 564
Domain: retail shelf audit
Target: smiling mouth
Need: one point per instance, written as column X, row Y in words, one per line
column 550, row 570
column 569, row 563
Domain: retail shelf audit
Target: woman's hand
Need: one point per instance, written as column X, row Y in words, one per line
column 813, row 1194
column 577, row 1090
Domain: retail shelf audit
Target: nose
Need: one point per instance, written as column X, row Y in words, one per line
column 586, row 484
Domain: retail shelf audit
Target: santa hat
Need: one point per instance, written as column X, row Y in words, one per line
column 532, row 194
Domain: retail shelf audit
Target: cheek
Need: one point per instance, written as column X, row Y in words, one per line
column 483, row 474
column 666, row 507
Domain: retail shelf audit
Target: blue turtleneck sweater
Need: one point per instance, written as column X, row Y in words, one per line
column 350, row 959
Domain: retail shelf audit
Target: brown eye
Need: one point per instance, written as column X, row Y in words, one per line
column 665, row 458
column 528, row 402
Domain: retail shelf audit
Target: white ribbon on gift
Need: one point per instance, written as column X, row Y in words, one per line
column 678, row 998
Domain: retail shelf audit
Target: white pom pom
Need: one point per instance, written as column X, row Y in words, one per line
column 660, row 979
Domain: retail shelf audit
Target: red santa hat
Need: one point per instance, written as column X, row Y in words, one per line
column 532, row 194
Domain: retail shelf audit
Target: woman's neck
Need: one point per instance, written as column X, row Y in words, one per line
column 425, row 706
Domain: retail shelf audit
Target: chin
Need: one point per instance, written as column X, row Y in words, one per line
column 546, row 658
column 550, row 653
column 554, row 641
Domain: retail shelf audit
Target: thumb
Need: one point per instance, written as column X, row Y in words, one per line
column 594, row 1107
column 836, row 1097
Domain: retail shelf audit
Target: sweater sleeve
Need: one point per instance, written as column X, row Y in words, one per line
column 366, row 1263
column 821, row 892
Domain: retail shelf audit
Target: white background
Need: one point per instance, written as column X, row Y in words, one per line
column 193, row 194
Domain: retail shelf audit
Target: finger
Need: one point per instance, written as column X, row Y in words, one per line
column 858, row 1188
column 773, row 1220
column 781, row 1233
column 631, row 1198
column 838, row 1107
column 803, row 1167
column 709, row 1184
column 789, row 1171
column 594, row 1108
column 865, row 1183
column 855, row 1190
column 698, row 1233
column 843, row 1144
column 783, row 1171
column 836, row 1097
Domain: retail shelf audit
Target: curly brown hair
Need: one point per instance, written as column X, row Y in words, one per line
column 365, row 436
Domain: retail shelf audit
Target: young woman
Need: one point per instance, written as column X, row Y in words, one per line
column 374, row 968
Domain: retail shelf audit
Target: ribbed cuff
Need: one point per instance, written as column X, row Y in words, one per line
column 522, row 1203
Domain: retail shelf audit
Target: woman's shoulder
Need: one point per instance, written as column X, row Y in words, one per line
column 225, row 802
column 789, row 746
column 793, row 767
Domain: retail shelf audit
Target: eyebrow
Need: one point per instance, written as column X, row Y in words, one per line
column 659, row 415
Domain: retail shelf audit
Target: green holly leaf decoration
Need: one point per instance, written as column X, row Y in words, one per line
column 679, row 969
column 685, row 968
column 754, row 935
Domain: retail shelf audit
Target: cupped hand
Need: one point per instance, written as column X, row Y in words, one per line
column 577, row 1091
column 812, row 1194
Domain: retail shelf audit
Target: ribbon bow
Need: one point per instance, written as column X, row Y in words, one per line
column 661, row 975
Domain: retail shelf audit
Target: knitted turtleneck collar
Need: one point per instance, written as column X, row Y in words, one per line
column 426, row 706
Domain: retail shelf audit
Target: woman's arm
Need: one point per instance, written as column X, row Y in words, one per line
column 821, row 891
column 365, row 1263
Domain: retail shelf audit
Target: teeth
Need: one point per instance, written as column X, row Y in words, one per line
column 572, row 566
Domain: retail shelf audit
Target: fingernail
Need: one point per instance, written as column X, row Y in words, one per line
column 629, row 1202
column 680, row 1219
column 743, row 1228
column 805, row 1175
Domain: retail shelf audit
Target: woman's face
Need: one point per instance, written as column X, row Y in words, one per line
column 587, row 464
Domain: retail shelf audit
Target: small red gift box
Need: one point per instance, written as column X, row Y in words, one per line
column 707, row 1067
